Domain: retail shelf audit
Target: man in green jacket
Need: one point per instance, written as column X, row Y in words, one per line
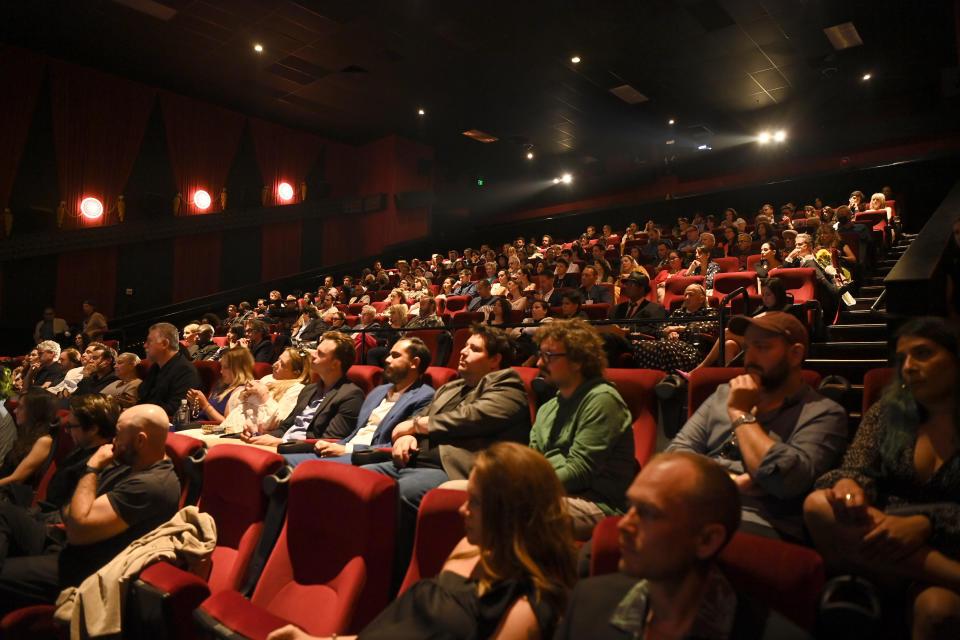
column 585, row 431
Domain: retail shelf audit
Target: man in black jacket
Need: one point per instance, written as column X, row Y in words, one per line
column 325, row 409
column 167, row 381
column 98, row 371
column 258, row 341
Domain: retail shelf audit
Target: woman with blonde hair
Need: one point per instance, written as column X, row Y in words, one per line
column 511, row 575
column 267, row 402
column 236, row 370
column 628, row 265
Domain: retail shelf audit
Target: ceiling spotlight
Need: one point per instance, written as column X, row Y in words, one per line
column 556, row 181
column 703, row 147
column 258, row 48
column 764, row 138
column 567, row 178
column 529, row 155
column 670, row 121
column 780, row 136
column 575, row 59
column 866, row 77
column 421, row 112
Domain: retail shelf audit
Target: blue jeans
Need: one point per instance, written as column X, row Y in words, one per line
column 412, row 485
column 293, row 459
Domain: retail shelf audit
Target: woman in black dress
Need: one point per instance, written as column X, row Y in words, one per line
column 678, row 349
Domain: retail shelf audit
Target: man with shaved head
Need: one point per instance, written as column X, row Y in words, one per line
column 127, row 489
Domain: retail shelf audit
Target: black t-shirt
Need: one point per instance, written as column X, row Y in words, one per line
column 64, row 481
column 92, row 384
column 144, row 500
column 166, row 386
column 53, row 374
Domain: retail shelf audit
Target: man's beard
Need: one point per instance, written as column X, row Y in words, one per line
column 773, row 379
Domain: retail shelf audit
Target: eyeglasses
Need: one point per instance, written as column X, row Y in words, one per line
column 730, row 449
column 548, row 356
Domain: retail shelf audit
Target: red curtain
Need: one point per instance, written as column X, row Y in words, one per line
column 340, row 163
column 87, row 274
column 98, row 125
column 280, row 250
column 22, row 73
column 284, row 155
column 196, row 266
column 203, row 141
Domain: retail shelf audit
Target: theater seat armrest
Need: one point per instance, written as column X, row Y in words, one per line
column 167, row 578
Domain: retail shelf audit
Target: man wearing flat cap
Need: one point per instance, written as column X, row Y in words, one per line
column 773, row 433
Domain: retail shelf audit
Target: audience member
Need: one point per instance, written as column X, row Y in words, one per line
column 683, row 511
column 591, row 291
column 267, row 402
column 324, row 409
column 128, row 489
column 98, row 370
column 71, row 361
column 483, row 297
column 236, row 370
column 94, row 324
column 890, row 512
column 702, row 265
column 170, row 375
column 585, row 430
column 679, row 346
column 34, row 415
column 50, row 327
column 464, row 287
column 258, row 341
column 124, row 389
column 768, row 428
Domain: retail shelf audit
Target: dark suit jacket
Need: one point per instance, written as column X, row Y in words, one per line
column 555, row 299
column 598, row 294
column 493, row 411
column 568, row 281
column 263, row 352
column 410, row 403
column 337, row 415
column 594, row 600
column 646, row 310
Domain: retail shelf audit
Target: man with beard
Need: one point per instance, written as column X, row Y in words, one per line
column 126, row 490
column 773, row 433
column 385, row 406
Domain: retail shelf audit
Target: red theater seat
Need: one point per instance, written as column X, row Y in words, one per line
column 598, row 311
column 673, row 294
column 467, row 318
column 439, row 529
column 800, row 281
column 874, row 382
column 233, row 494
column 63, row 445
column 436, row 377
column 460, row 337
column 178, row 448
column 456, row 303
column 728, row 264
column 786, row 577
column 636, row 388
column 365, row 376
column 329, row 571
column 260, row 369
column 430, row 338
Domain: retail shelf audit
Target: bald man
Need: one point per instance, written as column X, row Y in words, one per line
column 128, row 489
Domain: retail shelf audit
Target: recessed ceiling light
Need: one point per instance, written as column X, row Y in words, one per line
column 567, row 178
column 556, row 181
column 780, row 136
column 529, row 155
column 763, row 138
column 258, row 48
column 867, row 76
column 670, row 121
column 421, row 112
column 575, row 59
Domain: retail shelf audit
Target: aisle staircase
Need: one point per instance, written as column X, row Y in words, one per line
column 858, row 341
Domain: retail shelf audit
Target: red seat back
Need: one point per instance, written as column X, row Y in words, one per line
column 333, row 563
column 178, row 448
column 64, row 445
column 219, row 340
column 233, row 494
column 528, row 374
column 874, row 382
column 705, row 380
column 456, row 303
column 460, row 337
column 636, row 388
column 365, row 376
column 784, row 576
column 467, row 318
column 430, row 338
column 752, row 261
column 799, row 281
column 724, row 283
column 439, row 529
column 261, row 369
column 597, row 311
column 729, row 264
column 436, row 377
column 675, row 288
column 209, row 371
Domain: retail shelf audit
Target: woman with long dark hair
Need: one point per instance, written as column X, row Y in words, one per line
column 34, row 416
column 892, row 509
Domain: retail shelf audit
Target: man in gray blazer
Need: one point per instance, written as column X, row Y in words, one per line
column 486, row 404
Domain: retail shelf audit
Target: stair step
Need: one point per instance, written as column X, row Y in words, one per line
column 857, row 332
column 851, row 369
column 871, row 290
column 850, row 350
column 886, row 263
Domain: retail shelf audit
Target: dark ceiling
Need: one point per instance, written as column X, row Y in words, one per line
column 355, row 70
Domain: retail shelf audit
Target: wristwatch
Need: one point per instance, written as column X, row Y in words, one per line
column 93, row 470
column 745, row 418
